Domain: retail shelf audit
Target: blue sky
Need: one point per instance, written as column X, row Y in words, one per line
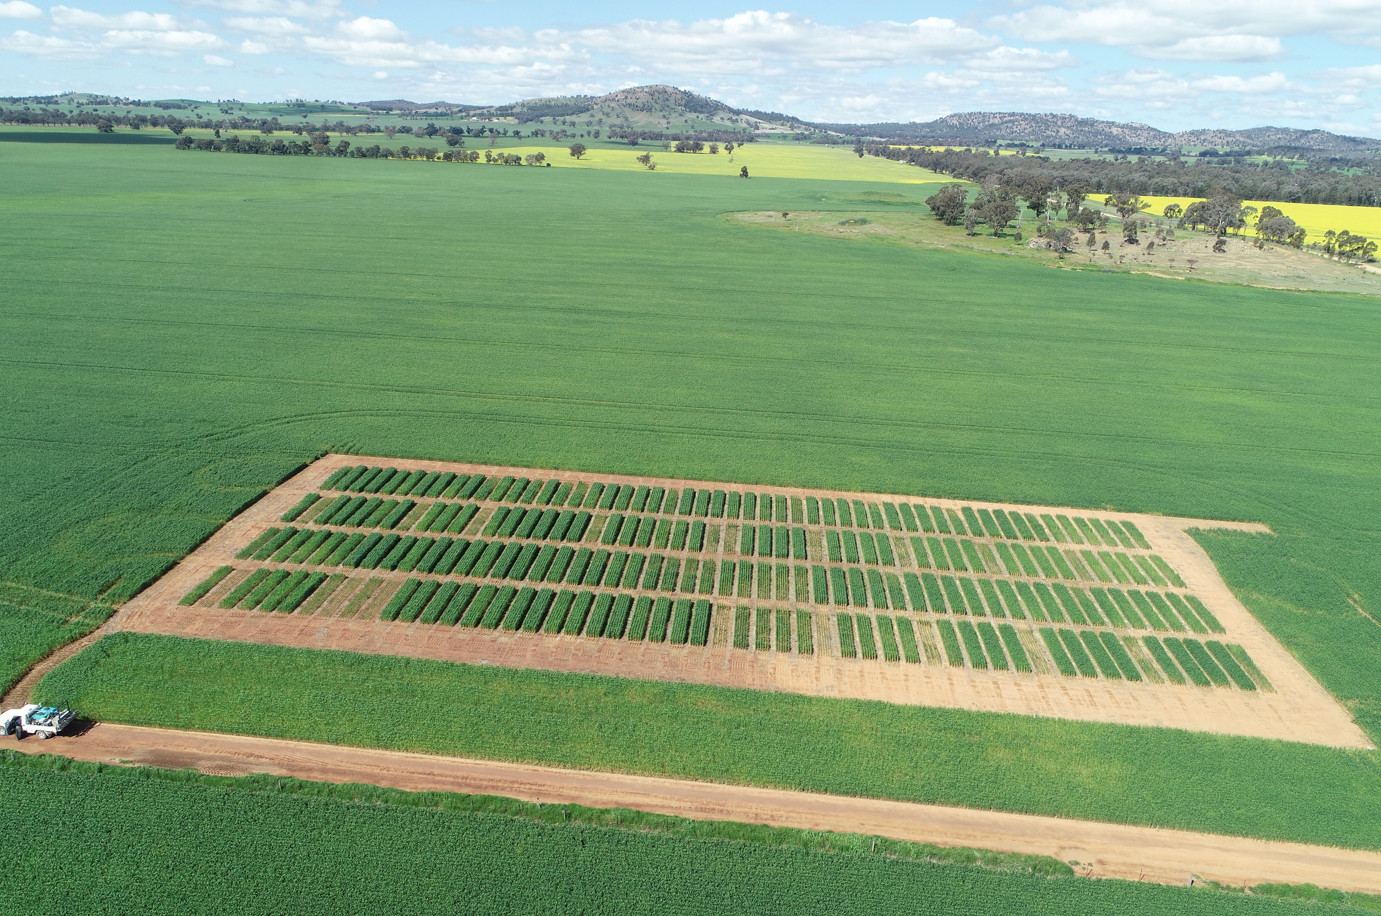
column 1174, row 64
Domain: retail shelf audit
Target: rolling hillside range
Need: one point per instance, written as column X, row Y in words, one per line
column 644, row 108
column 1065, row 130
column 667, row 111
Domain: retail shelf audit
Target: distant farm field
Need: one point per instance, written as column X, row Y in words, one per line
column 763, row 160
column 1315, row 218
column 182, row 331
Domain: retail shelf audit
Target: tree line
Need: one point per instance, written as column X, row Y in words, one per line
column 320, row 144
column 1354, row 183
column 108, row 121
column 453, row 135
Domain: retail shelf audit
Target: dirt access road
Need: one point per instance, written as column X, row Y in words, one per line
column 1102, row 850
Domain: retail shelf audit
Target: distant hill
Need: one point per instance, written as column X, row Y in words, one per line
column 978, row 128
column 651, row 108
column 404, row 105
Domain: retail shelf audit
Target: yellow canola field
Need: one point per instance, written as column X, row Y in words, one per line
column 764, row 160
column 1315, row 218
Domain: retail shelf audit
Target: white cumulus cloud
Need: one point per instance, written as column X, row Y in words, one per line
column 297, row 9
column 1223, row 48
column 144, row 41
column 366, row 29
column 1224, row 30
column 265, row 25
column 66, row 17
column 49, row 47
column 18, row 9
column 1252, row 85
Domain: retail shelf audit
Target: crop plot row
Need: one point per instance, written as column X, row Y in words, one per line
column 942, row 593
column 1018, row 560
column 500, row 560
column 998, row 646
column 764, row 541
column 767, row 628
column 839, row 512
column 269, row 590
column 1088, row 653
column 650, row 531
column 678, row 621
column 546, row 610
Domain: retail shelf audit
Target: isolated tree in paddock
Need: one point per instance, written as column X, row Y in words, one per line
column 1244, row 216
column 645, row 160
column 1357, row 247
column 1280, row 229
column 743, row 172
column 973, row 216
column 1218, row 214
column 1075, row 195
column 729, row 147
column 1172, row 211
column 1126, row 205
column 948, row 204
column 578, row 150
column 1036, row 192
column 997, row 212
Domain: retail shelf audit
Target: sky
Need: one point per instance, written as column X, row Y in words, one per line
column 1173, row 64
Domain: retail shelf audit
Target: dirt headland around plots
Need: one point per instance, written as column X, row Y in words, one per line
column 1046, row 611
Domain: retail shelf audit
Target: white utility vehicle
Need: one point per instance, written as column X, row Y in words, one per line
column 32, row 719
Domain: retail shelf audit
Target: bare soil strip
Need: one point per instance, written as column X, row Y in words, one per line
column 1098, row 849
column 1298, row 709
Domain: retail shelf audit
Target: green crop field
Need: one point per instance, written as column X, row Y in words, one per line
column 355, row 850
column 179, row 332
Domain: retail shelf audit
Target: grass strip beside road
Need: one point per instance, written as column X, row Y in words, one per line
column 1191, row 781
